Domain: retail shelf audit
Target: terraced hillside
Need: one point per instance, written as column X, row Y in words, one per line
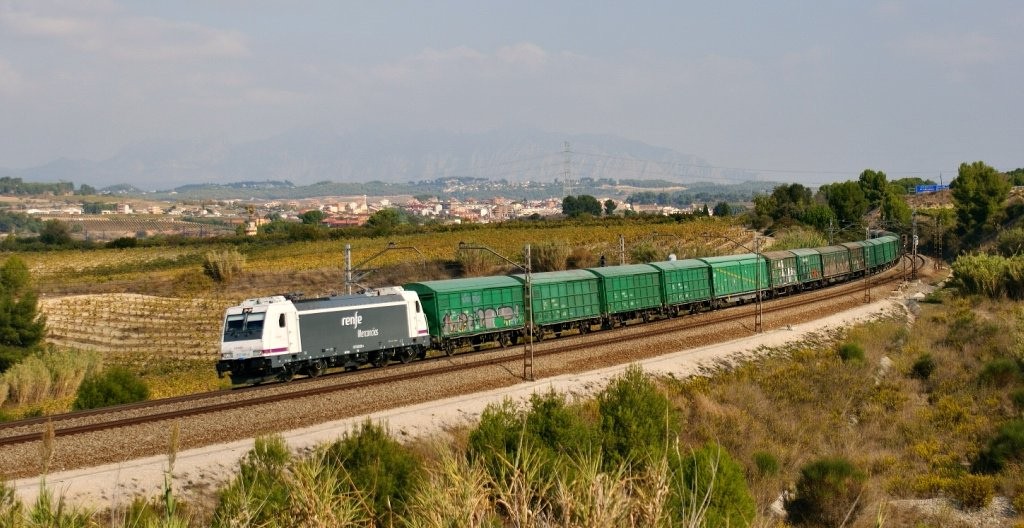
column 134, row 328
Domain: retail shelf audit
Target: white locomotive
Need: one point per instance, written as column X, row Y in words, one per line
column 276, row 337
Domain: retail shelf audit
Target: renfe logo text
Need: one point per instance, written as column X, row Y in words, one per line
column 353, row 320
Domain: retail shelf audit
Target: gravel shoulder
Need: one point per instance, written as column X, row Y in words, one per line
column 200, row 472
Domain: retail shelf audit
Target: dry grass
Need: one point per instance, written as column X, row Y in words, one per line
column 915, row 438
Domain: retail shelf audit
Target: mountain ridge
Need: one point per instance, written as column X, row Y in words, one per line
column 315, row 154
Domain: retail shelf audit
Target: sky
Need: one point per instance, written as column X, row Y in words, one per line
column 804, row 91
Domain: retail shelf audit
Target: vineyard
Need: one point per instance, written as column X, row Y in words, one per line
column 110, row 227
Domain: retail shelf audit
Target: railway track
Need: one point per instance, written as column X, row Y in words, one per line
column 83, row 422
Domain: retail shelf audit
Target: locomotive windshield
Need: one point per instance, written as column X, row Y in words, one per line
column 243, row 326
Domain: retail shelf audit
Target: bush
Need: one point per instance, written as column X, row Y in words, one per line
column 645, row 253
column 29, row 381
column 497, row 437
column 258, row 495
column 549, row 256
column 980, row 275
column 766, row 463
column 827, row 493
column 553, row 425
column 379, row 468
column 1008, row 444
column 581, row 257
column 222, row 266
column 636, row 419
column 115, row 386
column 1018, row 502
column 1017, row 397
column 923, row 367
column 972, row 491
column 710, row 480
column 851, row 353
column 999, row 372
column 122, row 243
column 1010, row 242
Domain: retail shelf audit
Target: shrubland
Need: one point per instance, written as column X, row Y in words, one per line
column 841, row 428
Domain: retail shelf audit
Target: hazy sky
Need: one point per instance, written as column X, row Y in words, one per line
column 824, row 89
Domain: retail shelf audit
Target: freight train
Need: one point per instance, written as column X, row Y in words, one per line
column 278, row 337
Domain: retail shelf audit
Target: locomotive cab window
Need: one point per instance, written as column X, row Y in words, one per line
column 417, row 307
column 243, row 326
column 280, row 320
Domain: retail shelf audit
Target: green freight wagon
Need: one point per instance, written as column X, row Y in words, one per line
column 782, row 266
column 628, row 292
column 857, row 257
column 835, row 262
column 808, row 266
column 873, row 254
column 685, row 284
column 564, row 300
column 463, row 312
column 890, row 248
column 736, row 278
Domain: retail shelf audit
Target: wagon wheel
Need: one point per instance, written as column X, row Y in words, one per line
column 584, row 328
column 504, row 340
column 422, row 353
column 646, row 317
column 448, row 348
column 315, row 368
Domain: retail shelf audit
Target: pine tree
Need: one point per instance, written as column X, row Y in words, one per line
column 21, row 325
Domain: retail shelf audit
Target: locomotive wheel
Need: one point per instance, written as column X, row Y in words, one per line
column 381, row 360
column 405, row 356
column 287, row 375
column 315, row 368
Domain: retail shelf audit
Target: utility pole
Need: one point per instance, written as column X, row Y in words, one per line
column 867, row 284
column 757, row 273
column 913, row 241
column 567, row 170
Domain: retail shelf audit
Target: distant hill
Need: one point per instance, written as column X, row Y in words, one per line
column 310, row 155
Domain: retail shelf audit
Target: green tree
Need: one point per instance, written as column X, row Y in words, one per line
column 1016, row 176
column 895, row 210
column 385, row 221
column 21, row 325
column 575, row 206
column 312, row 217
column 874, row 185
column 787, row 202
column 978, row 195
column 847, row 201
column 55, row 233
column 722, row 209
column 609, row 207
